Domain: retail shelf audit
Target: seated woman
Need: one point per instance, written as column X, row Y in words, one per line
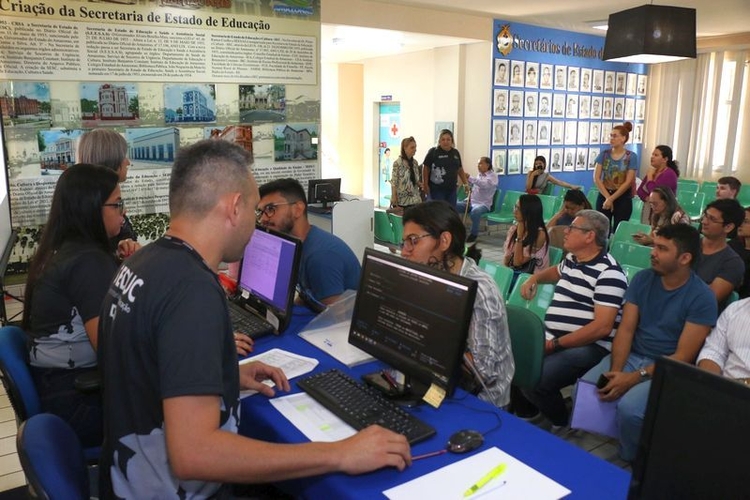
column 527, row 243
column 434, row 235
column 664, row 210
column 68, row 278
column 537, row 179
column 664, row 171
column 483, row 187
column 573, row 202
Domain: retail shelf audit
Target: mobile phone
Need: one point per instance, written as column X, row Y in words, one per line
column 603, row 380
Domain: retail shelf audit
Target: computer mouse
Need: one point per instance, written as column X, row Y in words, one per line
column 464, row 441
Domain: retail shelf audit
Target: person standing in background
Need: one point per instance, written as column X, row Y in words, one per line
column 614, row 177
column 441, row 170
column 406, row 177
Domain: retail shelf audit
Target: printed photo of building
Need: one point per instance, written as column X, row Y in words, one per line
column 109, row 104
column 295, row 142
column 25, row 103
column 152, row 147
column 189, row 103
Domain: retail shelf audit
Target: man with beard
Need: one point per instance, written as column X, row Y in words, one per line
column 328, row 266
column 668, row 311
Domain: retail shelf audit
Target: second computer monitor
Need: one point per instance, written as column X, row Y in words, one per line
column 323, row 191
column 414, row 318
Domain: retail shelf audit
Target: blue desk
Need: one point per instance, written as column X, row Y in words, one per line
column 585, row 475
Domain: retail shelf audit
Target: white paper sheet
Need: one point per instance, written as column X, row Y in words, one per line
column 293, row 365
column 311, row 418
column 518, row 481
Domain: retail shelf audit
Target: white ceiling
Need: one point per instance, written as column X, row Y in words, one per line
column 714, row 18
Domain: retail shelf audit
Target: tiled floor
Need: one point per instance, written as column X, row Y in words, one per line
column 491, row 245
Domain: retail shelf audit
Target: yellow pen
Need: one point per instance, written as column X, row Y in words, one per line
column 485, row 479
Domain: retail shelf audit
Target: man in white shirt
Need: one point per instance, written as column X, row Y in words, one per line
column 727, row 349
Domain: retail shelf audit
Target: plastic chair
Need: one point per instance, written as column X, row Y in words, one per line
column 555, row 255
column 501, row 274
column 527, row 343
column 733, row 297
column 14, row 365
column 592, row 195
column 630, row 271
column 462, row 193
column 549, row 206
column 625, row 231
column 383, row 229
column 687, row 186
column 692, row 203
column 631, row 254
column 397, row 223
column 541, row 301
column 637, row 210
column 504, row 214
column 708, row 188
column 744, row 195
column 52, row 458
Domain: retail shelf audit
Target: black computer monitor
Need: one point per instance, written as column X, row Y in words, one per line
column 413, row 318
column 323, row 191
column 695, row 437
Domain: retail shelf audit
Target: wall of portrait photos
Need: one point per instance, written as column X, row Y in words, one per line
column 553, row 96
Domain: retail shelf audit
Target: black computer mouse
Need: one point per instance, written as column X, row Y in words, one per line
column 464, row 441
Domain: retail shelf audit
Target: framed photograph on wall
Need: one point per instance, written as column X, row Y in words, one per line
column 640, row 109
column 593, row 153
column 528, row 159
column 516, row 103
column 530, row 104
column 641, row 90
column 571, row 109
column 501, row 72
column 499, row 132
column 584, row 107
column 583, row 133
column 607, row 109
column 514, row 132
column 558, row 105
column 568, row 163
column 630, row 109
column 619, row 113
column 556, row 159
column 609, row 82
column 558, row 131
column 498, row 164
column 543, row 132
column 545, row 104
column 500, row 105
column 582, row 157
column 596, row 107
column 561, row 74
column 620, row 83
column 532, row 75
column 544, row 152
column 516, row 73
column 598, row 86
column 585, row 79
column 514, row 161
column 631, row 84
column 595, row 133
column 546, row 77
column 529, row 134
column 573, row 80
column 571, row 128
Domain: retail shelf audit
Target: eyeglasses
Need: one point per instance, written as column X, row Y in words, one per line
column 411, row 241
column 120, row 206
column 270, row 209
column 580, row 228
column 711, row 218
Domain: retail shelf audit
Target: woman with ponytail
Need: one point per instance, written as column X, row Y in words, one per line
column 405, row 177
column 664, row 171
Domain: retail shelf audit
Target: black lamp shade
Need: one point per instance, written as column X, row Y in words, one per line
column 650, row 34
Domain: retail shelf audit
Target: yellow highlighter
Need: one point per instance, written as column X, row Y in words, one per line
column 485, row 479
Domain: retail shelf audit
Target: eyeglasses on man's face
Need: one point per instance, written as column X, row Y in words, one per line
column 711, row 218
column 411, row 241
column 119, row 205
column 270, row 209
column 580, row 228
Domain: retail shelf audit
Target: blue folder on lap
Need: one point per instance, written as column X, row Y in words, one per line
column 592, row 414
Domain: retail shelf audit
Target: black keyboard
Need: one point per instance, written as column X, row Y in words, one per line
column 320, row 210
column 360, row 406
column 246, row 322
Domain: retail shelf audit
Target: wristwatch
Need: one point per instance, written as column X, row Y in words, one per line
column 556, row 344
column 644, row 374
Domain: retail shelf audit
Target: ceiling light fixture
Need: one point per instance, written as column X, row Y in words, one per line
column 651, row 34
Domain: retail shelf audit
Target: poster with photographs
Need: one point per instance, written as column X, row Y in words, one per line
column 109, row 104
column 25, row 104
column 556, row 160
column 514, row 161
column 498, row 164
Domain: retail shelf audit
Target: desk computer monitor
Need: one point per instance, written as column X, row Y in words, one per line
column 413, row 318
column 323, row 191
column 695, row 437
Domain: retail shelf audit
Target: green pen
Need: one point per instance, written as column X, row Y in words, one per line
column 485, row 479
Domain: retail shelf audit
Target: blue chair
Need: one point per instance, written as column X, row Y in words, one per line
column 14, row 365
column 52, row 458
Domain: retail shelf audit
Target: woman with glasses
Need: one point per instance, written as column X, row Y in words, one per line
column 406, row 177
column 434, row 235
column 614, row 177
column 664, row 210
column 109, row 149
column 527, row 243
column 68, row 278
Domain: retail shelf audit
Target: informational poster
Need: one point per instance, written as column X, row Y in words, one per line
column 164, row 74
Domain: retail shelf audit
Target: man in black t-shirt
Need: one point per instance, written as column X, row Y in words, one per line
column 166, row 351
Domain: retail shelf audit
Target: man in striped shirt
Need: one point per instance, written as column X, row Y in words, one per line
column 584, row 313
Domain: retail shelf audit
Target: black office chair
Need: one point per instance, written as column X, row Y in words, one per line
column 52, row 458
